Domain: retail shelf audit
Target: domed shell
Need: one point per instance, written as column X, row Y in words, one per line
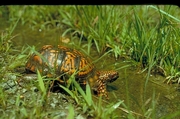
column 60, row 60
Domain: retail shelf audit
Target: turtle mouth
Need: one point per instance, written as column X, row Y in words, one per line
column 114, row 78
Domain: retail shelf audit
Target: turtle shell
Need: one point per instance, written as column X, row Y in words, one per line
column 60, row 60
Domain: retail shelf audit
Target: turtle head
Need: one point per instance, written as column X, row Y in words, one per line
column 108, row 76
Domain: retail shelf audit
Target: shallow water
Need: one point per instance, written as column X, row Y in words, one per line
column 130, row 86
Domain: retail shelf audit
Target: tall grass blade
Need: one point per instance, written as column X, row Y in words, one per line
column 41, row 83
column 70, row 93
column 114, row 107
column 174, row 115
column 71, row 112
column 81, row 91
column 169, row 15
column 88, row 94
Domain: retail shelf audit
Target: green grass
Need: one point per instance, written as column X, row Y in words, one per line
column 148, row 35
column 152, row 41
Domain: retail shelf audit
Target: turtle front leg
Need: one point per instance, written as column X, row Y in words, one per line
column 101, row 89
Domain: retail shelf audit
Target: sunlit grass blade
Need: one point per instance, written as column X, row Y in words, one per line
column 88, row 94
column 163, row 12
column 17, row 101
column 24, row 112
column 84, row 95
column 112, row 108
column 173, row 115
column 41, row 83
column 18, row 61
column 3, row 98
column 71, row 112
column 70, row 93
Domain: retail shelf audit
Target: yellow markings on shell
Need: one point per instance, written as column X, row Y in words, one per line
column 45, row 47
column 68, row 65
column 85, row 67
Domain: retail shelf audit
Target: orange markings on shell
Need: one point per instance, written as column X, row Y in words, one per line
column 37, row 59
column 68, row 64
column 46, row 47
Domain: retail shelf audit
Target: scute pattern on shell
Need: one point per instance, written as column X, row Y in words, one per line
column 62, row 60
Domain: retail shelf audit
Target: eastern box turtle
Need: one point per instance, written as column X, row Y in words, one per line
column 65, row 61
